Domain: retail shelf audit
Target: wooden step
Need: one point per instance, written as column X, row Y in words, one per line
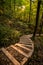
column 19, row 51
column 4, row 60
column 25, row 41
column 29, row 53
column 19, row 57
column 24, row 59
column 13, row 60
column 22, row 46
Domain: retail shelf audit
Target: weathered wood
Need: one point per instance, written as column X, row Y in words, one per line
column 24, row 60
column 22, row 46
column 19, row 51
column 24, row 43
column 13, row 60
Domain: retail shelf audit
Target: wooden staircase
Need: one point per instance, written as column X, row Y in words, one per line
column 17, row 54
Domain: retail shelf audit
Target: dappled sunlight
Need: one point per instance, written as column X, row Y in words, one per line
column 23, row 8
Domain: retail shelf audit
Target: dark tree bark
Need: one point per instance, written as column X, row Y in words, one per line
column 37, row 18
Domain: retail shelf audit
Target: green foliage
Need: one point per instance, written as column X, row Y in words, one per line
column 14, row 19
column 8, row 35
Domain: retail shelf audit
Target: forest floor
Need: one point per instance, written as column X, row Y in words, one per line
column 37, row 58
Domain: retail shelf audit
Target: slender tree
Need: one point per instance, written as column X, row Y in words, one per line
column 37, row 18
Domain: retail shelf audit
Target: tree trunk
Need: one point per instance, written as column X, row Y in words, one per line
column 37, row 18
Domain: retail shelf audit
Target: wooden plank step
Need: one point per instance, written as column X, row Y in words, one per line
column 23, row 47
column 4, row 60
column 13, row 60
column 19, row 57
column 25, row 41
column 24, row 44
column 24, row 38
column 32, row 49
column 24, row 61
column 27, row 45
column 19, row 51
column 30, row 45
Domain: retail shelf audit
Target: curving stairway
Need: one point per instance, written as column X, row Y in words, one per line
column 17, row 54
